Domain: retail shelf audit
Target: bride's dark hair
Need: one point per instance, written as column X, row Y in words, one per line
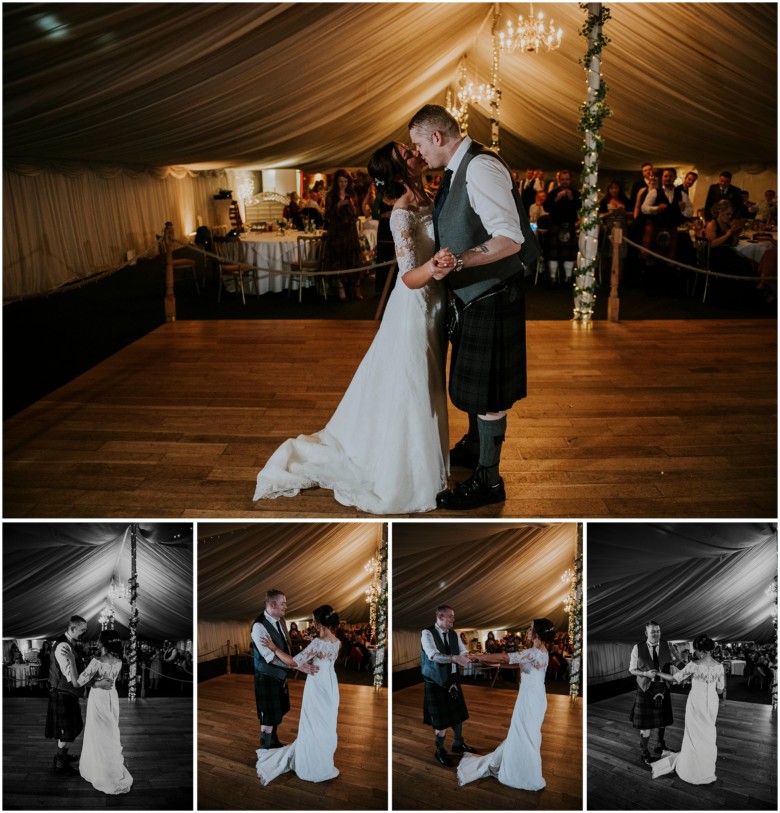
column 386, row 166
column 112, row 642
column 326, row 616
column 703, row 644
column 543, row 629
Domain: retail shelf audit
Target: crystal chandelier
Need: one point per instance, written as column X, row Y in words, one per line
column 468, row 94
column 530, row 35
column 117, row 590
column 106, row 618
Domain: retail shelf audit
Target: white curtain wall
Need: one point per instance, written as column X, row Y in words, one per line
column 62, row 224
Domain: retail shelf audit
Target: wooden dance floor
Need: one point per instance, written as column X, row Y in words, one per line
column 156, row 737
column 634, row 419
column 420, row 783
column 229, row 734
column 746, row 767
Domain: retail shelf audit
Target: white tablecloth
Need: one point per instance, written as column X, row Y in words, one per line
column 18, row 674
column 754, row 251
column 272, row 251
column 738, row 667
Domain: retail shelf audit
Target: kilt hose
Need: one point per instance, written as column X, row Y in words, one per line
column 63, row 717
column 272, row 699
column 442, row 709
column 645, row 714
column 488, row 366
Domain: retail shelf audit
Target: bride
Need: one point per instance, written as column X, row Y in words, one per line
column 517, row 762
column 695, row 763
column 311, row 755
column 385, row 450
column 102, row 763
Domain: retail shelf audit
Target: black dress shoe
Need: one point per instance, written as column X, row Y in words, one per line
column 471, row 493
column 647, row 759
column 463, row 749
column 661, row 747
column 275, row 743
column 71, row 757
column 443, row 758
column 62, row 768
column 461, row 454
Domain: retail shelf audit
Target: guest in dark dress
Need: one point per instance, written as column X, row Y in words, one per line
column 723, row 232
column 342, row 244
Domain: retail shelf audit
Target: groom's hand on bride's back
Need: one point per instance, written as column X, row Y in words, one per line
column 309, row 668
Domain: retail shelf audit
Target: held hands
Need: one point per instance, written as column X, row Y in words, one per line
column 461, row 660
column 442, row 263
column 103, row 683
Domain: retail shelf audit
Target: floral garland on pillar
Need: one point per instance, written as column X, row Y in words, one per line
column 594, row 111
column 381, row 613
column 574, row 607
column 132, row 585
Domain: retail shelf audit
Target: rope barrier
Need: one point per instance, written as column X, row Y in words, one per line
column 704, row 271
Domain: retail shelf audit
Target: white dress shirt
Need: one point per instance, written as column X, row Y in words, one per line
column 65, row 658
column 258, row 632
column 633, row 666
column 489, row 187
column 432, row 651
column 648, row 204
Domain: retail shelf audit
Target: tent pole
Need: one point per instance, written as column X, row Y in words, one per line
column 133, row 584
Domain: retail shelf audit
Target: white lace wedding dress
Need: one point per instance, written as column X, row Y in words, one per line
column 311, row 755
column 102, row 763
column 385, row 450
column 517, row 762
column 695, row 763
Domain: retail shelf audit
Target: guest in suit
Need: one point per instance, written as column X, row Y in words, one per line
column 444, row 706
column 271, row 696
column 721, row 190
column 563, row 206
column 664, row 214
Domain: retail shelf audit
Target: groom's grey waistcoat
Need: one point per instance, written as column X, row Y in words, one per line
column 261, row 664
column 57, row 680
column 644, row 661
column 440, row 673
column 460, row 229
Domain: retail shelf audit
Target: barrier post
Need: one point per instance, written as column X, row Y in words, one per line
column 613, row 305
column 228, row 656
column 170, row 299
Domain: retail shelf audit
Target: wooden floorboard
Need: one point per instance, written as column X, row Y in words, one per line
column 156, row 737
column 420, row 783
column 634, row 419
column 746, row 767
column 228, row 736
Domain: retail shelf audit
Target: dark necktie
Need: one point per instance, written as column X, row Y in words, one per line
column 447, row 650
column 438, row 202
column 284, row 637
column 655, row 658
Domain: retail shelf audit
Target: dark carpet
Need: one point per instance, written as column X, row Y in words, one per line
column 49, row 341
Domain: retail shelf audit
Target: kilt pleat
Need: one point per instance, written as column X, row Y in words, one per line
column 441, row 709
column 488, row 362
column 272, row 698
column 645, row 714
column 63, row 717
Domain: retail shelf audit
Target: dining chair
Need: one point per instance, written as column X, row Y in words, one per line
column 229, row 268
column 185, row 267
column 310, row 256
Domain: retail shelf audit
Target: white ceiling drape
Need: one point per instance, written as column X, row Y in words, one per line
column 321, row 85
column 494, row 575
column 53, row 571
column 313, row 563
column 692, row 578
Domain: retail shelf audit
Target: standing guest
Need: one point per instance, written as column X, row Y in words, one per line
column 170, row 654
column 661, row 207
column 648, row 172
column 563, row 205
column 536, row 211
column 721, row 190
column 342, row 244
column 491, row 644
column 686, row 194
column 528, row 190
column 155, row 670
column 553, row 184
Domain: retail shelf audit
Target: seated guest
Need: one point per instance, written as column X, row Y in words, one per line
column 721, row 190
column 722, row 232
column 751, row 207
column 491, row 645
column 292, row 211
column 310, row 209
column 766, row 211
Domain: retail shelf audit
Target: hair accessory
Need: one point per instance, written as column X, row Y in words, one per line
column 379, row 182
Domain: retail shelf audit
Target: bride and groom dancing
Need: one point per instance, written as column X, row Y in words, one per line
column 517, row 761
column 310, row 756
column 385, row 450
column 652, row 710
column 101, row 762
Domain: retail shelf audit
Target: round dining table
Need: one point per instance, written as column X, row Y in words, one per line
column 754, row 249
column 18, row 674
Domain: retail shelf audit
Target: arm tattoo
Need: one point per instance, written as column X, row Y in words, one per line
column 483, row 248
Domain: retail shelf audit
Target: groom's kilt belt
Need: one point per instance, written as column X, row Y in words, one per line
column 487, row 368
column 442, row 708
column 63, row 717
column 645, row 713
column 272, row 698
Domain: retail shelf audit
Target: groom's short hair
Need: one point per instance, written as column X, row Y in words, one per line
column 652, row 624
column 443, row 608
column 75, row 621
column 273, row 595
column 433, row 117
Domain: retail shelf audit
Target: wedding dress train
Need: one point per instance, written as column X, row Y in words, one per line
column 311, row 754
column 385, row 450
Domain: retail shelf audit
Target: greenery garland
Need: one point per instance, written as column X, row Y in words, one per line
column 593, row 112
column 575, row 628
column 132, row 585
column 381, row 611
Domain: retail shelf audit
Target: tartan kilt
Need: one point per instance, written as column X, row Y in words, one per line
column 63, row 717
column 440, row 710
column 644, row 713
column 563, row 250
column 487, row 365
column 272, row 699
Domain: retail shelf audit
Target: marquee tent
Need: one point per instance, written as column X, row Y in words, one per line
column 711, row 578
column 102, row 101
column 313, row 563
column 494, row 575
column 53, row 571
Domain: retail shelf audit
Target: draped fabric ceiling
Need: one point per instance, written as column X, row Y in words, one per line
column 692, row 578
column 313, row 563
column 494, row 575
column 53, row 571
column 321, row 85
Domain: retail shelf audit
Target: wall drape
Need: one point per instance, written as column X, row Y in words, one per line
column 66, row 223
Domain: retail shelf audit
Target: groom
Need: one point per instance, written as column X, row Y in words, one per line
column 271, row 694
column 444, row 705
column 484, row 243
column 63, row 718
column 653, row 702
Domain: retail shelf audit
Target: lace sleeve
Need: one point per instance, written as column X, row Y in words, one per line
column 309, row 653
column 720, row 680
column 88, row 673
column 403, row 225
column 528, row 658
column 685, row 672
